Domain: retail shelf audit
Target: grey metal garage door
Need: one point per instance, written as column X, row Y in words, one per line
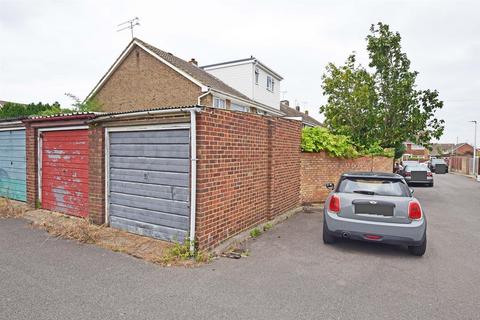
column 149, row 182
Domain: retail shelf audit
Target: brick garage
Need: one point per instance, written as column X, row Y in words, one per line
column 317, row 169
column 248, row 166
column 248, row 171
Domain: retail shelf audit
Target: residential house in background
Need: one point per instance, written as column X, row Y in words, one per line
column 448, row 149
column 251, row 77
column 307, row 120
column 144, row 77
column 415, row 151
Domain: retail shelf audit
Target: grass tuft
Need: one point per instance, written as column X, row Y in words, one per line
column 255, row 233
column 8, row 209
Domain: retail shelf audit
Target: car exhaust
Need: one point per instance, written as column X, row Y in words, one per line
column 346, row 235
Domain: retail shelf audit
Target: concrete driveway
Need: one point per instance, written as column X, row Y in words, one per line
column 289, row 275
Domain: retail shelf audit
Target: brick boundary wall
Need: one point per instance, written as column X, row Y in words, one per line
column 317, row 169
column 248, row 169
column 96, row 174
column 462, row 164
column 32, row 165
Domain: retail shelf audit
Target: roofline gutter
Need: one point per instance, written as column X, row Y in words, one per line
column 203, row 95
column 144, row 113
column 240, row 62
column 13, row 123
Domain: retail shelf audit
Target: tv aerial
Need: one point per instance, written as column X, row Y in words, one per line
column 130, row 24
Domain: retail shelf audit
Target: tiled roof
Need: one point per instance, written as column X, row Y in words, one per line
column 291, row 112
column 197, row 73
column 445, row 147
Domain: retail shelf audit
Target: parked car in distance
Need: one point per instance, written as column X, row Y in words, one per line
column 438, row 166
column 417, row 174
column 409, row 162
column 375, row 207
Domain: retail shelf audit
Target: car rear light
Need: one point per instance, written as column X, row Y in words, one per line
column 414, row 210
column 334, row 205
column 429, row 174
column 372, row 237
column 407, row 174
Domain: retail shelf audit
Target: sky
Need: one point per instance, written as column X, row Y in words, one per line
column 49, row 48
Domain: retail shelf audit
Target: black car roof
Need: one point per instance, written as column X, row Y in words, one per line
column 372, row 174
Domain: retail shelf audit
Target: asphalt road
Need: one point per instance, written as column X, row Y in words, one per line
column 290, row 274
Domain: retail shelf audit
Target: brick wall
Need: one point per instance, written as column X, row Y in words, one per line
column 285, row 165
column 31, row 154
column 247, row 172
column 142, row 81
column 317, row 169
column 463, row 164
column 96, row 174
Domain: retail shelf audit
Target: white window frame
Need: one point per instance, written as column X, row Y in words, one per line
column 270, row 83
column 216, row 102
column 239, row 107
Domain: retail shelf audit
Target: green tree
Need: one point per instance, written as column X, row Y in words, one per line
column 13, row 110
column 381, row 105
column 84, row 106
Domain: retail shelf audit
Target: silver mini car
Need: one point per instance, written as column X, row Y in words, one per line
column 376, row 207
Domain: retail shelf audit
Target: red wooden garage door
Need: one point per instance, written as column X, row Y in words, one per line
column 65, row 171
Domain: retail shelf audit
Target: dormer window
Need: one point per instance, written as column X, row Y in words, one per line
column 257, row 74
column 270, row 83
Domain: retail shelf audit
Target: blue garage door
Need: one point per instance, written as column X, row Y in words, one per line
column 149, row 182
column 13, row 165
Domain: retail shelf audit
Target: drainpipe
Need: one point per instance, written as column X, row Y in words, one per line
column 193, row 176
column 203, row 95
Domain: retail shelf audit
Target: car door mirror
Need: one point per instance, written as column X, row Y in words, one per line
column 330, row 186
column 412, row 191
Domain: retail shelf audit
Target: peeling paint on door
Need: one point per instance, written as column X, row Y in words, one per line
column 65, row 172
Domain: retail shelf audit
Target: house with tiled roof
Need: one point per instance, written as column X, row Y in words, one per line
column 144, row 76
column 307, row 120
column 447, row 149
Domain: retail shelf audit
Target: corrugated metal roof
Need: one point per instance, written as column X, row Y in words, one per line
column 11, row 119
column 63, row 116
column 100, row 117
column 150, row 109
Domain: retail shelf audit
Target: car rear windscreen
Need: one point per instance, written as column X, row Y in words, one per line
column 374, row 186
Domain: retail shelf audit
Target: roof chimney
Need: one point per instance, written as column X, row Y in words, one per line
column 306, row 112
column 194, row 62
column 285, row 102
column 297, row 108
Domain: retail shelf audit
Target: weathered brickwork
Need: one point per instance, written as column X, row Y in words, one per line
column 247, row 172
column 143, row 82
column 317, row 169
column 96, row 174
column 32, row 166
